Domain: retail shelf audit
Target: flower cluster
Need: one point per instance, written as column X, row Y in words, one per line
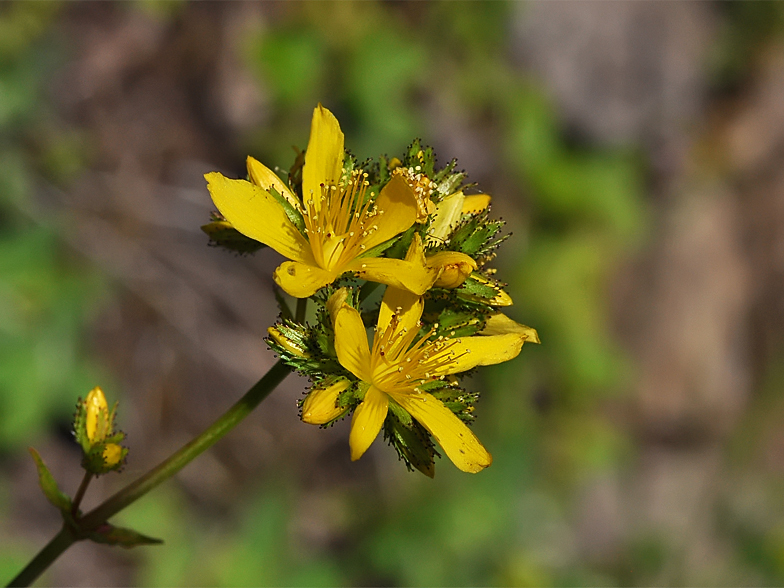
column 347, row 227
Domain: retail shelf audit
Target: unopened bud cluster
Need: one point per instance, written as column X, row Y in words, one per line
column 94, row 431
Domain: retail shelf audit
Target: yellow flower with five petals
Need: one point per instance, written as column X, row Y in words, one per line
column 398, row 363
column 341, row 224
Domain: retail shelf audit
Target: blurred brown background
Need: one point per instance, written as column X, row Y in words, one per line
column 635, row 150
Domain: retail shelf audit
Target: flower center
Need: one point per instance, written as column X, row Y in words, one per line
column 398, row 365
column 341, row 224
column 423, row 188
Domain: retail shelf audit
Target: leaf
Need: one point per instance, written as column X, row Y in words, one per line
column 127, row 538
column 49, row 485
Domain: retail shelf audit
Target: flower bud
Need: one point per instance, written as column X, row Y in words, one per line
column 454, row 266
column 320, row 406
column 286, row 343
column 94, row 431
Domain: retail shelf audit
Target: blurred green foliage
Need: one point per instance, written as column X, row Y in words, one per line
column 46, row 296
column 386, row 70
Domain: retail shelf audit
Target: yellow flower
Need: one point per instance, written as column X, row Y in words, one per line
column 341, row 227
column 397, row 364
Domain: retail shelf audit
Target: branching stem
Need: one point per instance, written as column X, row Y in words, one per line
column 135, row 490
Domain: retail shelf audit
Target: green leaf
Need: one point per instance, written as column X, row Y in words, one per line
column 49, row 485
column 111, row 535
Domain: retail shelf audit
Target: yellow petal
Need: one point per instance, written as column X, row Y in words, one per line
column 112, row 454
column 469, row 352
column 256, row 214
column 335, row 302
column 320, row 406
column 414, row 277
column 265, row 178
column 324, row 156
column 351, row 343
column 97, row 413
column 409, row 307
column 416, row 251
column 367, row 421
column 396, row 206
column 454, row 437
column 301, row 280
column 500, row 324
column 447, row 214
column 475, row 203
column 454, row 268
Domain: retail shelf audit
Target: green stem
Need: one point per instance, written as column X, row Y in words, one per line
column 80, row 493
column 59, row 543
column 135, row 490
column 179, row 460
column 302, row 307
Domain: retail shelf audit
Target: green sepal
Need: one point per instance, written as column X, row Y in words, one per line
column 447, row 181
column 382, row 171
column 454, row 323
column 401, row 414
column 475, row 236
column 410, row 439
column 352, row 395
column 349, row 165
column 80, row 425
column 294, row 215
column 378, row 249
column 479, row 292
column 127, row 538
column 422, row 157
column 312, row 352
column 473, row 288
column 223, row 234
column 93, row 460
column 49, row 485
column 458, row 400
column 399, row 248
